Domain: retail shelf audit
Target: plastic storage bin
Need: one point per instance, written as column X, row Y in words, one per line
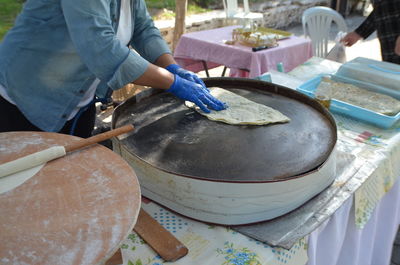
column 348, row 109
column 377, row 76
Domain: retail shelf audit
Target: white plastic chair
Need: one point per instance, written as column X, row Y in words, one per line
column 232, row 11
column 317, row 23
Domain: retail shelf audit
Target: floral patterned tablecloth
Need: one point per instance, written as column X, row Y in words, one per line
column 208, row 245
column 217, row 245
column 379, row 149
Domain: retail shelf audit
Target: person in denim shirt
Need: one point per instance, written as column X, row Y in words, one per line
column 61, row 52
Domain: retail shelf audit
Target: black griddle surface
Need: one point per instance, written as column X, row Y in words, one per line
column 179, row 140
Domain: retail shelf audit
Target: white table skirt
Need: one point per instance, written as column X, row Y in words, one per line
column 340, row 242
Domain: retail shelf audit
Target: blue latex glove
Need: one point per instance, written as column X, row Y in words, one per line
column 177, row 70
column 195, row 93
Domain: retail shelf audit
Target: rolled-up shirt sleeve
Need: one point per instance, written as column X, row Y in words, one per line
column 90, row 26
column 146, row 39
column 367, row 27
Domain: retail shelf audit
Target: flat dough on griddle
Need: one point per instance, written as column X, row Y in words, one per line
column 240, row 111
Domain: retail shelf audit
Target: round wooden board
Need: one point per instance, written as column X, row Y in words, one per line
column 75, row 210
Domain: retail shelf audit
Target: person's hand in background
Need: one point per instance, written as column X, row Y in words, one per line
column 350, row 39
column 196, row 93
column 185, row 74
column 397, row 46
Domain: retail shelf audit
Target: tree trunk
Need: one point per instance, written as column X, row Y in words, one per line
column 180, row 14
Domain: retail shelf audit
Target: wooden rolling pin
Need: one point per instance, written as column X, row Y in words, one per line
column 157, row 237
column 54, row 152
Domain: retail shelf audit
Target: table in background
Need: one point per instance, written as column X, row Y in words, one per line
column 360, row 232
column 208, row 46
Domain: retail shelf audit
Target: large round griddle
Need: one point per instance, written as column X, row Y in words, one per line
column 179, row 140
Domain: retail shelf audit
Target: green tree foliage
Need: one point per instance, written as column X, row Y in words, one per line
column 170, row 4
column 9, row 10
column 205, row 3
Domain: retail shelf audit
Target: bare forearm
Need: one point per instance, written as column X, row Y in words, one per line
column 165, row 60
column 156, row 77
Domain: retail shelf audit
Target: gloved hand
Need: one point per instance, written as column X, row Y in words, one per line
column 188, row 75
column 195, row 93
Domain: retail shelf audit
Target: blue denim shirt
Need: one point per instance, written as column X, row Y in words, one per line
column 57, row 48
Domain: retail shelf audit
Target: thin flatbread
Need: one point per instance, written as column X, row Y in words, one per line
column 240, row 111
column 364, row 98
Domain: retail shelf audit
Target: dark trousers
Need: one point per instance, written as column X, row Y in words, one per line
column 12, row 119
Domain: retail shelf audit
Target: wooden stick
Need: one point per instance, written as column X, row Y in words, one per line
column 162, row 241
column 97, row 138
column 54, row 152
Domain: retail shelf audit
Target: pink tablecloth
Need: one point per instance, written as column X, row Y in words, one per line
column 209, row 46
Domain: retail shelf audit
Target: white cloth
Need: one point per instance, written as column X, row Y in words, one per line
column 340, row 242
column 124, row 33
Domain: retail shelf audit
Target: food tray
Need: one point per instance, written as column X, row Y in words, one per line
column 373, row 87
column 375, row 75
column 338, row 106
column 260, row 36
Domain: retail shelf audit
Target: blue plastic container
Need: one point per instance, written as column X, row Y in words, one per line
column 337, row 106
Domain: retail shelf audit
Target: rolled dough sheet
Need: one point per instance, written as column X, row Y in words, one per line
column 14, row 180
column 31, row 160
column 240, row 111
column 16, row 172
